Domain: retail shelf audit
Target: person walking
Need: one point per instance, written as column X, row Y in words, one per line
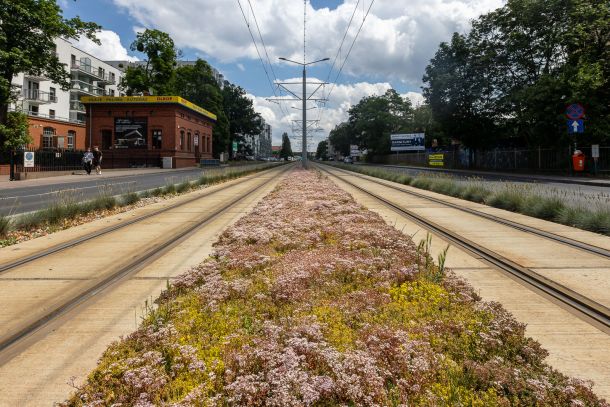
column 88, row 161
column 97, row 160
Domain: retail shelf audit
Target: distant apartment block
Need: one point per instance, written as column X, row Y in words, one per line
column 57, row 117
column 260, row 144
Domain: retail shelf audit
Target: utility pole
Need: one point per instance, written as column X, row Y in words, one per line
column 304, row 148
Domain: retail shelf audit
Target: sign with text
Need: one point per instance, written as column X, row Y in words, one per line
column 436, row 160
column 408, row 142
column 130, row 132
column 354, row 151
column 595, row 151
column 28, row 159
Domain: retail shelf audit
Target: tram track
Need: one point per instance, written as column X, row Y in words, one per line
column 135, row 263
column 586, row 308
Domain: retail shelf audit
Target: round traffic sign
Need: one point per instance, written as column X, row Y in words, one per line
column 575, row 111
column 29, row 156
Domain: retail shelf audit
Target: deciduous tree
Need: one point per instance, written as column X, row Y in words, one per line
column 28, row 30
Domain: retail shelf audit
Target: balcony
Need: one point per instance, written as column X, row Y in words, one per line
column 77, row 106
column 98, row 74
column 35, row 77
column 38, row 97
column 85, row 88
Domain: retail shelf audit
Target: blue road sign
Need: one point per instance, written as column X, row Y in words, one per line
column 575, row 111
column 576, row 126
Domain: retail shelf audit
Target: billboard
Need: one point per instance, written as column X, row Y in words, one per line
column 408, row 142
column 130, row 132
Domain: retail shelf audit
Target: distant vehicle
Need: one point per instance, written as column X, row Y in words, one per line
column 348, row 160
column 331, row 158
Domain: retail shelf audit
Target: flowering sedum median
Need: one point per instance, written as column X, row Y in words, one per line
column 313, row 300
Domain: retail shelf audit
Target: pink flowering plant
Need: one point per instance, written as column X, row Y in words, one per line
column 312, row 300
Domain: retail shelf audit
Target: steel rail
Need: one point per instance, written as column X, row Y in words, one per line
column 591, row 310
column 75, row 242
column 137, row 264
column 515, row 225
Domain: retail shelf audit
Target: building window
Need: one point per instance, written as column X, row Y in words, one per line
column 209, row 144
column 73, row 60
column 48, row 133
column 157, row 139
column 196, row 142
column 181, row 139
column 111, row 92
column 188, row 141
column 51, row 114
column 71, row 138
column 33, row 110
column 52, row 95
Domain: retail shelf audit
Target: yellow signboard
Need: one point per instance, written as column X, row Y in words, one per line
column 149, row 99
column 436, row 160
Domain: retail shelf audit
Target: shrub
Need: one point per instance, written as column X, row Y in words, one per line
column 509, row 199
column 475, row 193
column 169, row 189
column 183, row 187
column 5, row 225
column 129, row 198
column 542, row 207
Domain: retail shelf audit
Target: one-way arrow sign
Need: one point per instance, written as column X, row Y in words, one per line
column 576, row 126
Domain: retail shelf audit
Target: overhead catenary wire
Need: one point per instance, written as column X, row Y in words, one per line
column 350, row 49
column 266, row 53
column 257, row 50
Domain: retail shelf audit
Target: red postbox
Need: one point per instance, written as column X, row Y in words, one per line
column 578, row 161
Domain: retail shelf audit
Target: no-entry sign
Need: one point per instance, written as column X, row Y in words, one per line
column 575, row 111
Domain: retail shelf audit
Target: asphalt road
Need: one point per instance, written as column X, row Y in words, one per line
column 30, row 198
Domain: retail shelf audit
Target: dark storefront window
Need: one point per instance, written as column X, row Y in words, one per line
column 106, row 139
column 188, row 141
column 131, row 132
column 181, row 139
column 157, row 139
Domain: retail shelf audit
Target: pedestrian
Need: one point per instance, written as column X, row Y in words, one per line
column 88, row 161
column 97, row 160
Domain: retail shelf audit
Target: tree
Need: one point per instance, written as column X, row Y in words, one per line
column 322, row 151
column 157, row 75
column 197, row 84
column 341, row 137
column 374, row 118
column 28, row 29
column 286, row 150
column 239, row 109
column 15, row 132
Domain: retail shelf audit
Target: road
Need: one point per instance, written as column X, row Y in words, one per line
column 16, row 200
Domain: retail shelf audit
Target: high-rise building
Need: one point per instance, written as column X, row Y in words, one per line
column 57, row 116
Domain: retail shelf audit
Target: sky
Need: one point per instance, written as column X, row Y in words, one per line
column 397, row 40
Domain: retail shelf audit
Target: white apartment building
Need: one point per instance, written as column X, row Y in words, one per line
column 57, row 117
column 260, row 144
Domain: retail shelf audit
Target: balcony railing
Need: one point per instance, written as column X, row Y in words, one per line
column 87, row 88
column 77, row 106
column 38, row 96
column 98, row 74
column 46, row 116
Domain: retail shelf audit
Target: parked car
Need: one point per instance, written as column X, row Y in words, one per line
column 348, row 160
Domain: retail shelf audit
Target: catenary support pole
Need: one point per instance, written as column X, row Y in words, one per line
column 304, row 147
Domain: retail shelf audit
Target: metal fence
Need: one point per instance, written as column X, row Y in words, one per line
column 514, row 159
column 50, row 160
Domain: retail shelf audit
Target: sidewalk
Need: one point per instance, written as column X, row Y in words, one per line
column 593, row 182
column 79, row 176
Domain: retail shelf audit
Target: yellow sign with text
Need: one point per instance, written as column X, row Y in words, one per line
column 436, row 160
column 148, row 99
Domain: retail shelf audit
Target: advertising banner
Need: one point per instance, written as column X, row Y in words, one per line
column 130, row 132
column 408, row 142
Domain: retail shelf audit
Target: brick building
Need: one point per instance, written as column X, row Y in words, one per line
column 142, row 130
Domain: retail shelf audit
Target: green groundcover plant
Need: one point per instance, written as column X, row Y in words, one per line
column 311, row 300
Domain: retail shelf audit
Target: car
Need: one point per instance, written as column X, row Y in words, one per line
column 348, row 160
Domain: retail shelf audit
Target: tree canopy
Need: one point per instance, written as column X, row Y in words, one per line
column 322, row 150
column 157, row 75
column 286, row 150
column 511, row 77
column 28, row 30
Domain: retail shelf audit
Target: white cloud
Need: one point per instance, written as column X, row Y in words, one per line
column 398, row 38
column 241, row 67
column 110, row 49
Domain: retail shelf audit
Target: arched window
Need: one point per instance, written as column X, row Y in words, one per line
column 48, row 133
column 188, row 141
column 196, row 142
column 181, row 139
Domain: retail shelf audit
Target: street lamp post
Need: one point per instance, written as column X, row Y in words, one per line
column 304, row 100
